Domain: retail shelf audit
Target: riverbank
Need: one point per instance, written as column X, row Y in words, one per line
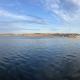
column 35, row 34
column 43, row 34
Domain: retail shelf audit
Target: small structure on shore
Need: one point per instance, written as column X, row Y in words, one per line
column 74, row 36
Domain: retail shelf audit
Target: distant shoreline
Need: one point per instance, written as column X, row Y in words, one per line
column 42, row 34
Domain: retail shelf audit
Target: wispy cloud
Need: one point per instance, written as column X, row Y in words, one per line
column 77, row 2
column 42, row 29
column 24, row 21
column 26, row 18
column 14, row 25
column 36, row 17
column 68, row 10
column 18, row 19
column 5, row 13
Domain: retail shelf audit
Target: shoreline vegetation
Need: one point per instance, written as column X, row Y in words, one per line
column 44, row 34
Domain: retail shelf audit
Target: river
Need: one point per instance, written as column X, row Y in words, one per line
column 39, row 58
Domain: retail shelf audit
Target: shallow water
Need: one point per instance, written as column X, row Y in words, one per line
column 39, row 58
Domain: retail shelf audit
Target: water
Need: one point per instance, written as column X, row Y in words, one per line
column 39, row 58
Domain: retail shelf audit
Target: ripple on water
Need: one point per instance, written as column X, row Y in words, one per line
column 39, row 58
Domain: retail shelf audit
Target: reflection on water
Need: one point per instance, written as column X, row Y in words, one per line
column 39, row 58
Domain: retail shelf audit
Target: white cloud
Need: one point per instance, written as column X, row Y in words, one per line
column 77, row 2
column 11, row 15
column 69, row 10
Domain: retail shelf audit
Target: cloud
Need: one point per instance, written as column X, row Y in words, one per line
column 26, row 18
column 41, row 29
column 54, row 29
column 15, row 25
column 77, row 2
column 33, row 29
column 17, row 19
column 12, row 26
column 5, row 13
column 23, row 21
column 69, row 10
column 36, row 17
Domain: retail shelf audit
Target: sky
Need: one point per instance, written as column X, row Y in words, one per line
column 39, row 16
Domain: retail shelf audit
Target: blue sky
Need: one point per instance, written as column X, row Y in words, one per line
column 39, row 16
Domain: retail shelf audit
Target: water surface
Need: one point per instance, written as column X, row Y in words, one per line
column 39, row 58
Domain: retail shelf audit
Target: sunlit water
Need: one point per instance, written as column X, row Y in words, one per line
column 39, row 58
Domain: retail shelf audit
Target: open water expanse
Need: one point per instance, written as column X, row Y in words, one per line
column 39, row 58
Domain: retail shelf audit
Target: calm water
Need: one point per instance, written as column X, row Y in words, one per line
column 39, row 58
